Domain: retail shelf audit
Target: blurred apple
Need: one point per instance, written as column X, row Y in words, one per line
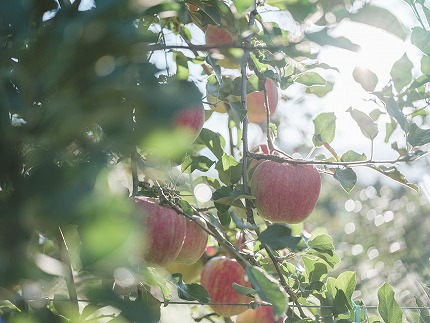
column 255, row 102
column 217, row 36
column 191, row 120
column 190, row 273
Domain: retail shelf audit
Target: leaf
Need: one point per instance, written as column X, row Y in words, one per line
column 229, row 169
column 182, row 71
column 243, row 290
column 347, row 282
column 190, row 292
column 310, row 79
column 424, row 313
column 389, row 129
column 394, row 174
column 325, row 128
column 375, row 114
column 201, row 163
column 425, row 65
column 321, row 37
column 242, row 5
column 213, row 141
column 388, row 308
column 278, row 236
column 320, row 90
column 268, row 289
column 346, row 177
column 418, row 136
column 421, row 39
column 380, row 18
column 394, row 110
column 351, row 155
column 401, row 73
column 366, row 124
column 322, row 242
column 366, row 78
column 315, row 268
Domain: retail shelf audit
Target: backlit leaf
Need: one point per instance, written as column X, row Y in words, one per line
column 401, row 73
column 325, row 127
column 388, row 307
column 346, row 177
column 278, row 236
column 367, row 79
column 366, row 124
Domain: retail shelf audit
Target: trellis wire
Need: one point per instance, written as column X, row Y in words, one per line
column 229, row 304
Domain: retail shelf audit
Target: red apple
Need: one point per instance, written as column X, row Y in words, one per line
column 165, row 232
column 218, row 276
column 285, row 192
column 255, row 102
column 263, row 314
column 192, row 7
column 191, row 120
column 211, row 251
column 217, row 36
column 195, row 242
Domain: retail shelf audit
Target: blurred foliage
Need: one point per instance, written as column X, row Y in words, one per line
column 87, row 118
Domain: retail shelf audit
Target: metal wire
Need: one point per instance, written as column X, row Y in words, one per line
column 229, row 304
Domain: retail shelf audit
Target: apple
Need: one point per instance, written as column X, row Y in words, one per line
column 165, row 232
column 255, row 102
column 190, row 273
column 263, row 314
column 211, row 251
column 285, row 192
column 217, row 277
column 191, row 119
column 195, row 242
column 192, row 7
column 217, row 36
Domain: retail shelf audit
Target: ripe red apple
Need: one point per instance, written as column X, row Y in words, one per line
column 191, row 119
column 285, row 192
column 255, row 102
column 218, row 276
column 195, row 242
column 217, row 36
column 263, row 314
column 165, row 232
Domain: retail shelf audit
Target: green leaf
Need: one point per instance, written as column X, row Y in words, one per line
column 182, row 71
column 418, row 136
column 310, row 79
column 380, row 18
column 63, row 305
column 322, row 242
column 238, row 109
column 346, row 177
column 388, row 308
column 394, row 174
column 366, row 78
column 375, row 114
column 389, row 129
column 351, row 155
column 315, row 268
column 424, row 313
column 278, row 236
column 190, row 292
column 213, row 141
column 201, row 163
column 394, row 110
column 322, row 38
column 347, row 282
column 243, row 290
column 401, row 73
column 325, row 128
column 268, row 289
column 421, row 39
column 425, row 65
column 229, row 169
column 366, row 124
column 242, row 5
column 320, row 90
column 186, row 207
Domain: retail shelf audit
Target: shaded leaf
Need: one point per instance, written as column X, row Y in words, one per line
column 418, row 136
column 201, row 163
column 394, row 110
column 366, row 78
column 278, row 236
column 315, row 268
column 366, row 124
column 325, row 128
column 213, row 141
column 421, row 39
column 268, row 289
column 229, row 169
column 190, row 292
column 388, row 308
column 182, row 71
column 243, row 290
column 346, row 177
column 321, row 37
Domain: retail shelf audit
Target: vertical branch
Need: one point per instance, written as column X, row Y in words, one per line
column 249, row 214
column 68, row 273
column 134, row 177
column 266, row 106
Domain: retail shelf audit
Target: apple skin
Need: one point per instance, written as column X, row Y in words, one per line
column 218, row 276
column 165, row 232
column 217, row 36
column 285, row 193
column 195, row 242
column 191, row 119
column 263, row 314
column 255, row 102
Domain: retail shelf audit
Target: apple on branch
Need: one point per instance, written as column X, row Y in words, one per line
column 195, row 242
column 285, row 192
column 217, row 277
column 218, row 36
column 165, row 232
column 255, row 102
column 191, row 120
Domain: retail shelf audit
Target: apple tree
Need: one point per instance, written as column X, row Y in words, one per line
column 131, row 175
